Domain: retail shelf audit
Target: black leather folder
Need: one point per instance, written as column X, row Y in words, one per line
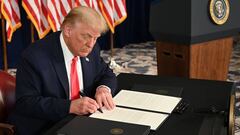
column 82, row 125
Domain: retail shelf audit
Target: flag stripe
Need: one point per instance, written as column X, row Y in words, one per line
column 57, row 16
column 15, row 14
column 63, row 9
column 10, row 11
column 95, row 6
column 107, row 12
column 30, row 11
column 77, row 3
column 37, row 12
column 52, row 16
column 9, row 31
column 88, row 3
column 44, row 15
column 57, row 10
column 120, row 11
column 114, row 12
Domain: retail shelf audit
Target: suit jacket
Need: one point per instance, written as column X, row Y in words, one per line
column 42, row 88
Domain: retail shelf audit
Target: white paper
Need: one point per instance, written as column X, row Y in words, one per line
column 132, row 116
column 147, row 101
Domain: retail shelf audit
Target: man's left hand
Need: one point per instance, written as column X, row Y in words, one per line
column 104, row 98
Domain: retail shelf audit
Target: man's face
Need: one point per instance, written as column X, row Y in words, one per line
column 81, row 39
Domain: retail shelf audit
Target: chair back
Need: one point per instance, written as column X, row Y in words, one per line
column 7, row 94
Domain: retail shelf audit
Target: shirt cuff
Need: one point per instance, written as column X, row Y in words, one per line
column 104, row 86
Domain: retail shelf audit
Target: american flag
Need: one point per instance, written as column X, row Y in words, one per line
column 57, row 10
column 88, row 3
column 10, row 11
column 37, row 12
column 114, row 12
column 95, row 5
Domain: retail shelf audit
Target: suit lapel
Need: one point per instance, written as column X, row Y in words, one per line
column 86, row 71
column 59, row 63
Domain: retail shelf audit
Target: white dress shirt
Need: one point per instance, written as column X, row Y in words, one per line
column 68, row 56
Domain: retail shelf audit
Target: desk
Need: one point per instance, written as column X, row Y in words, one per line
column 200, row 94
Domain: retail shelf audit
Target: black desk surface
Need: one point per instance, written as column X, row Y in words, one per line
column 208, row 100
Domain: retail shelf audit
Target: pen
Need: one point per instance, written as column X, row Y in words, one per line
column 84, row 95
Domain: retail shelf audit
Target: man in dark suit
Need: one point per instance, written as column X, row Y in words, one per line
column 46, row 76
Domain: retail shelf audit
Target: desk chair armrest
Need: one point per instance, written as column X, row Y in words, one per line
column 6, row 129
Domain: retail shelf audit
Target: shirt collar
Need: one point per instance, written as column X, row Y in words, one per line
column 68, row 56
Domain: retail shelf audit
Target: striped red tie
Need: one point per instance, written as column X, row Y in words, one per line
column 75, row 86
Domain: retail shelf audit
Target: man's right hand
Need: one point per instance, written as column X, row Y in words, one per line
column 82, row 106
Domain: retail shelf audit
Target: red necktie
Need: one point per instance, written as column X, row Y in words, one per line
column 75, row 88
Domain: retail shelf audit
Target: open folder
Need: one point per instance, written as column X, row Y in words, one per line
column 140, row 108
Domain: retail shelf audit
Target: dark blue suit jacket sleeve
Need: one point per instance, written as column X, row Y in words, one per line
column 98, row 70
column 36, row 99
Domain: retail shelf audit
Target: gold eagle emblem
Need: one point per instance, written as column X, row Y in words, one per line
column 219, row 11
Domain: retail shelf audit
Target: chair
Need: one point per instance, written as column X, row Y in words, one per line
column 7, row 101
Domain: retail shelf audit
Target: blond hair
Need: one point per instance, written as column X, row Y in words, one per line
column 87, row 16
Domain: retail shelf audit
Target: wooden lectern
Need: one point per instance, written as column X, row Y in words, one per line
column 189, row 42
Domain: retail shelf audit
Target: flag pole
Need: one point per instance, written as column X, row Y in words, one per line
column 112, row 44
column 5, row 64
column 32, row 30
column 32, row 33
column 112, row 63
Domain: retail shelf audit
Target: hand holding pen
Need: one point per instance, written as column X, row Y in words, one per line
column 83, row 106
column 84, row 95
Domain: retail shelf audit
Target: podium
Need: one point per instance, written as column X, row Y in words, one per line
column 189, row 42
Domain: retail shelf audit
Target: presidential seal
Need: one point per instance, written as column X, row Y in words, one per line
column 219, row 11
column 116, row 131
